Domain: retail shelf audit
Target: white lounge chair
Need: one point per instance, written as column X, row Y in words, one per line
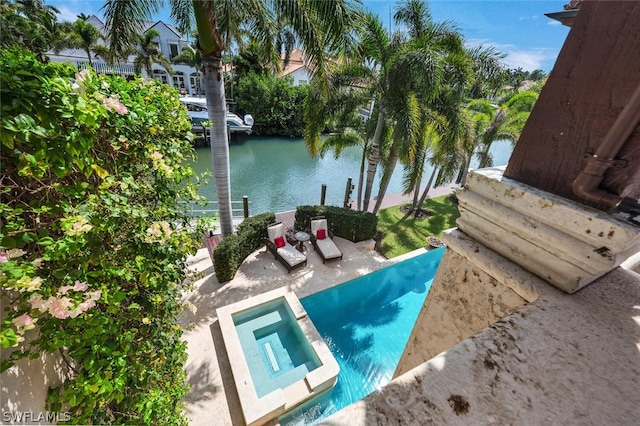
column 277, row 244
column 322, row 239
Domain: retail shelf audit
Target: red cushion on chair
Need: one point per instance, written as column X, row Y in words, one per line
column 279, row 242
column 321, row 234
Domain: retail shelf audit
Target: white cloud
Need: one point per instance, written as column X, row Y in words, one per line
column 527, row 59
column 67, row 15
column 528, row 18
column 554, row 22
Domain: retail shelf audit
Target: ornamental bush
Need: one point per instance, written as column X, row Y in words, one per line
column 275, row 104
column 350, row 224
column 234, row 249
column 94, row 237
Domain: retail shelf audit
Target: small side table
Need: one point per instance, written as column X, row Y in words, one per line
column 301, row 237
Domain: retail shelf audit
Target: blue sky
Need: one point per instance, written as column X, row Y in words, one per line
column 516, row 27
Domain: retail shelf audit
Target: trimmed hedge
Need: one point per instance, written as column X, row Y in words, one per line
column 234, row 249
column 350, row 224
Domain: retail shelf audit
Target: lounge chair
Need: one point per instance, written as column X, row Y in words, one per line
column 322, row 239
column 277, row 244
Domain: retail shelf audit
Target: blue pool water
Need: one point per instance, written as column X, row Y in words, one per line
column 277, row 352
column 366, row 323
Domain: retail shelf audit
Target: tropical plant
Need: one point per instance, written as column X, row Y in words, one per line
column 94, row 238
column 29, row 24
column 368, row 74
column 476, row 70
column 488, row 71
column 148, row 53
column 320, row 26
column 420, row 69
column 338, row 111
column 275, row 103
column 489, row 123
column 189, row 56
column 79, row 35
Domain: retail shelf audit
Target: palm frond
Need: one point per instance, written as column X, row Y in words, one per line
column 340, row 141
column 182, row 15
column 124, row 20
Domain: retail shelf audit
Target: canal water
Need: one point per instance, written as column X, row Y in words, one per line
column 278, row 174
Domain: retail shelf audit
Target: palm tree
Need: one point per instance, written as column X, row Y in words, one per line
column 476, row 70
column 339, row 111
column 319, row 25
column 29, row 24
column 420, row 68
column 80, row 35
column 489, row 123
column 190, row 56
column 148, row 53
column 507, row 124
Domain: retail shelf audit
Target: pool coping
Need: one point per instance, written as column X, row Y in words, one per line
column 257, row 411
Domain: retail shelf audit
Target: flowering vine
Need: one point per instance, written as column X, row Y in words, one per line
column 93, row 237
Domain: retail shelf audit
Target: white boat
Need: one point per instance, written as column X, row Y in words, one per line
column 197, row 110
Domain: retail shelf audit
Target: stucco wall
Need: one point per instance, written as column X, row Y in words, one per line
column 24, row 390
column 596, row 73
column 463, row 300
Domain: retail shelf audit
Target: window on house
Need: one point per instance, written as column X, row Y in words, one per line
column 173, row 50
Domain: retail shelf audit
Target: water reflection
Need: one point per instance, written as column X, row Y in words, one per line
column 278, row 174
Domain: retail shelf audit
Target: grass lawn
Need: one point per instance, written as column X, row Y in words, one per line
column 404, row 233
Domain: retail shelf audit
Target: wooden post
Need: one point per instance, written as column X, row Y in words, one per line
column 245, row 206
column 347, row 193
column 323, row 194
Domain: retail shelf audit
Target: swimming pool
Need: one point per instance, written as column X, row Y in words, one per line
column 277, row 356
column 366, row 323
column 276, row 350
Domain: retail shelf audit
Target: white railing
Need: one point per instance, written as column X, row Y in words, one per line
column 239, row 209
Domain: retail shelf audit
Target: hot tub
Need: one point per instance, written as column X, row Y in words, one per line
column 277, row 356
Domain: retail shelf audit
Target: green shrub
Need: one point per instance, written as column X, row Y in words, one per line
column 226, row 258
column 233, row 250
column 93, row 238
column 275, row 104
column 353, row 225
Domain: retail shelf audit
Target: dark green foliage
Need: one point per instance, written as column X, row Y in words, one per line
column 275, row 104
column 226, row 258
column 229, row 254
column 31, row 25
column 350, row 224
column 93, row 237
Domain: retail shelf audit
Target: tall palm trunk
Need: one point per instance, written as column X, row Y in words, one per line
column 374, row 156
column 416, row 191
column 465, row 171
column 361, row 174
column 88, row 52
column 426, row 190
column 214, row 90
column 211, row 47
column 484, row 156
column 386, row 178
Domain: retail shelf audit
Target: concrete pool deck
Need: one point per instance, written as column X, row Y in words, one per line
column 213, row 398
column 568, row 359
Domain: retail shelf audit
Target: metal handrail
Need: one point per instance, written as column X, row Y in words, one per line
column 243, row 210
